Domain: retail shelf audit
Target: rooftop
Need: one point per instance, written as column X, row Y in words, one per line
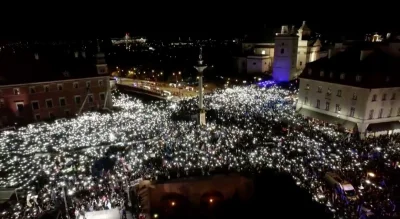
column 47, row 65
column 372, row 68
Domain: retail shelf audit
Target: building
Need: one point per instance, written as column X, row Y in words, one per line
column 258, row 53
column 51, row 84
column 358, row 88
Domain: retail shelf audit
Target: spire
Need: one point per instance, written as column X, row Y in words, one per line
column 98, row 46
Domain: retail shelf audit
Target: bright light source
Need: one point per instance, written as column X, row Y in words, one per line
column 172, row 203
column 155, row 216
column 371, row 174
column 211, row 200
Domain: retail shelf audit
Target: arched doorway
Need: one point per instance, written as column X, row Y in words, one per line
column 211, row 199
column 175, row 205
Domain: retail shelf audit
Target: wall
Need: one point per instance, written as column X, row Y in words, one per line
column 362, row 105
column 258, row 64
column 194, row 189
column 41, row 95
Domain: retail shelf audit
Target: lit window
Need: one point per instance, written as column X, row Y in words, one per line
column 307, row 87
column 16, row 91
column 263, row 52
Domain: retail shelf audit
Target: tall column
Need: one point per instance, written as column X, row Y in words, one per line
column 200, row 68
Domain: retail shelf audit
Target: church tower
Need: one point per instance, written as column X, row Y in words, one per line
column 285, row 55
column 101, row 64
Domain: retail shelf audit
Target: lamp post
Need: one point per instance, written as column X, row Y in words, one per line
column 200, row 68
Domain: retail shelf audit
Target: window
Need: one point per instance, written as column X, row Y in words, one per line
column 339, row 93
column 307, row 87
column 2, row 105
column 328, row 92
column 282, row 51
column 20, row 106
column 393, row 96
column 342, row 76
column 337, row 108
column 263, row 52
column 16, row 91
column 35, row 105
column 321, row 73
column 37, row 117
column 102, row 96
column 76, row 85
column 90, row 98
column 380, row 113
column 374, row 97
column 100, row 83
column 318, row 103
column 371, row 114
column 87, row 84
column 301, row 63
column 390, row 112
column 67, row 114
column 319, row 89
column 32, row 90
column 327, row 106
column 331, row 74
column 352, row 111
column 305, row 100
column 62, row 101
column 354, row 96
column 51, row 115
column 78, row 99
column 358, row 78
column 383, row 97
column 254, row 63
column 309, row 71
column 49, row 103
column 46, row 88
column 59, row 87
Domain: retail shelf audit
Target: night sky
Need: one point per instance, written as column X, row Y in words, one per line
column 174, row 20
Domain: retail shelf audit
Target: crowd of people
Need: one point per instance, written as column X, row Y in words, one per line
column 87, row 163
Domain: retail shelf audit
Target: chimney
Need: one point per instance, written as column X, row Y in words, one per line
column 304, row 23
column 83, row 54
column 329, row 53
column 36, row 56
column 293, row 30
column 284, row 29
column 76, row 54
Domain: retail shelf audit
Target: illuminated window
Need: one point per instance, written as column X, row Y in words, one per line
column 263, row 52
column 16, row 91
column 307, row 87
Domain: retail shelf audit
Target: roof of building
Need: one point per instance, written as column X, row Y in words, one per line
column 378, row 69
column 50, row 65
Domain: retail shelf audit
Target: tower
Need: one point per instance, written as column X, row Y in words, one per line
column 285, row 55
column 101, row 64
column 200, row 68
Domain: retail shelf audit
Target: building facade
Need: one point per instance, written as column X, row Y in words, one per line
column 357, row 89
column 259, row 57
column 52, row 90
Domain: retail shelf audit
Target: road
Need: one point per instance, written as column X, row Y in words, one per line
column 163, row 86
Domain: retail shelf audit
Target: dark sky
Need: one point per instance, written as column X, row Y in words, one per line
column 114, row 19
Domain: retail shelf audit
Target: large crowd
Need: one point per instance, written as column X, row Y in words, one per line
column 86, row 163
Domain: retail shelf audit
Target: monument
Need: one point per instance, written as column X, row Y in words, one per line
column 200, row 68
